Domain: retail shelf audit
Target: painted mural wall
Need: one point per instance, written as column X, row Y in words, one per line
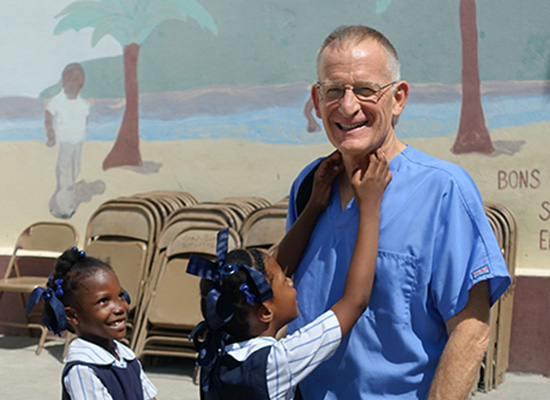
column 108, row 98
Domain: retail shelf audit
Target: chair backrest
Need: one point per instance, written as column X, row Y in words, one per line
column 200, row 240
column 178, row 225
column 132, row 221
column 42, row 239
column 176, row 299
column 176, row 303
column 48, row 236
column 264, row 228
column 204, row 213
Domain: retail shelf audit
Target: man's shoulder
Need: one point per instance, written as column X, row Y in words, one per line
column 436, row 165
column 308, row 169
column 440, row 177
column 303, row 185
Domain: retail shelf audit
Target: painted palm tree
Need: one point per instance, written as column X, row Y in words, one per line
column 473, row 135
column 129, row 22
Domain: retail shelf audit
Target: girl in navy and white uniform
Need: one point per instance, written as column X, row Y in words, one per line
column 247, row 297
column 85, row 296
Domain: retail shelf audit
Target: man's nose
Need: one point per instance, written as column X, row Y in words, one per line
column 349, row 104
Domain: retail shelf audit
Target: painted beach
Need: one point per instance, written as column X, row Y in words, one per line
column 225, row 141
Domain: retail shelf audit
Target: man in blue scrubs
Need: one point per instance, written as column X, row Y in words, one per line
column 439, row 266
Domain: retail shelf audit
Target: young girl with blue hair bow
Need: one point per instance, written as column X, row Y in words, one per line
column 247, row 297
column 85, row 297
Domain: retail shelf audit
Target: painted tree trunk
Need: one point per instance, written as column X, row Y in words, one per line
column 125, row 151
column 473, row 135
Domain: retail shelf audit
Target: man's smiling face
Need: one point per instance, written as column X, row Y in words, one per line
column 353, row 126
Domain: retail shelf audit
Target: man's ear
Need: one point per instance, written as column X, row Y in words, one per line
column 72, row 315
column 315, row 97
column 400, row 96
column 265, row 314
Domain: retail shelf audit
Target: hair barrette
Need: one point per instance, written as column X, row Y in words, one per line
column 59, row 290
column 245, row 289
column 81, row 253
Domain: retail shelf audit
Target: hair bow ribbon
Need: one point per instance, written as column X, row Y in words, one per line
column 53, row 316
column 219, row 310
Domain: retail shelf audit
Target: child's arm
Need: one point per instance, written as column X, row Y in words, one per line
column 368, row 188
column 291, row 248
column 48, row 127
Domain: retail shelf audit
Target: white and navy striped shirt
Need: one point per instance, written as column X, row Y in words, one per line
column 294, row 357
column 82, row 383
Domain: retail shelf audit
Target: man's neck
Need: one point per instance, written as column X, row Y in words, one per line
column 352, row 163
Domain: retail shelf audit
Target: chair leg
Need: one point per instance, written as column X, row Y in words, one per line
column 27, row 317
column 196, row 374
column 42, row 340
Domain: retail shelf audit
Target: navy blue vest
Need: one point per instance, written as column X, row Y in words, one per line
column 122, row 383
column 238, row 380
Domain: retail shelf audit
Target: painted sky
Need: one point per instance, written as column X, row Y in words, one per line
column 271, row 42
column 32, row 57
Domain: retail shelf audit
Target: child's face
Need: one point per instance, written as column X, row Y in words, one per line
column 73, row 80
column 102, row 311
column 283, row 303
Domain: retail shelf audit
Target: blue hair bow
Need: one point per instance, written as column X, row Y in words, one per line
column 219, row 312
column 219, row 306
column 53, row 315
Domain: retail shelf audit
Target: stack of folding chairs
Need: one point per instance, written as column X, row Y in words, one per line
column 495, row 364
column 171, row 298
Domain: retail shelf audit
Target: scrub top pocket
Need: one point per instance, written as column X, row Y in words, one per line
column 394, row 285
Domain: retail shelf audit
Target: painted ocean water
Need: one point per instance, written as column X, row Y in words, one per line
column 287, row 125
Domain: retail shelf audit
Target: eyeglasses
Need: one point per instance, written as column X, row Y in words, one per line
column 364, row 90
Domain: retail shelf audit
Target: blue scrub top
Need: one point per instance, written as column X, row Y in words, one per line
column 435, row 244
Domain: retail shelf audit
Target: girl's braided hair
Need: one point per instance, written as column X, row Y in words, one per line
column 237, row 327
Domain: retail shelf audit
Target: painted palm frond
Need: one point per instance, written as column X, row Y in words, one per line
column 85, row 14
column 129, row 21
column 120, row 28
column 155, row 14
column 197, row 12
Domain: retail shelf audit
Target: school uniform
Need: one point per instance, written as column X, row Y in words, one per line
column 91, row 372
column 264, row 368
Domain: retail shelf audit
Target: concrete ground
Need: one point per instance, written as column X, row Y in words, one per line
column 24, row 375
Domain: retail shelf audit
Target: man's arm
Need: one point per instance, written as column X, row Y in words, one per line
column 468, row 341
